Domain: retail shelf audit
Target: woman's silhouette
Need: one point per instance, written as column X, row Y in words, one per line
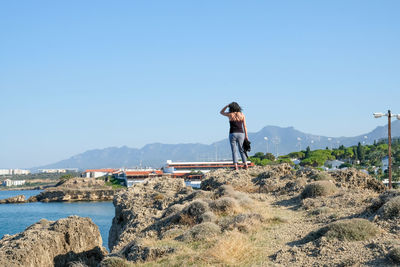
column 237, row 131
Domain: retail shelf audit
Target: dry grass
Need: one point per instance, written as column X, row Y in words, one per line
column 233, row 248
column 158, row 196
column 248, row 188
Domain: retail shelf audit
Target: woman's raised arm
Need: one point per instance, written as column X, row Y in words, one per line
column 222, row 112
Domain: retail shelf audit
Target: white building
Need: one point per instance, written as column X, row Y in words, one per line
column 385, row 163
column 5, row 172
column 94, row 173
column 14, row 172
column 53, row 170
column 9, row 182
column 334, row 163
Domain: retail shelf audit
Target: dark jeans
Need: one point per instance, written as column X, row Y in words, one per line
column 236, row 139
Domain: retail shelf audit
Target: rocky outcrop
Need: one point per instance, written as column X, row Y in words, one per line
column 282, row 179
column 49, row 243
column 253, row 180
column 141, row 206
column 79, row 183
column 58, row 195
column 149, row 215
column 16, row 199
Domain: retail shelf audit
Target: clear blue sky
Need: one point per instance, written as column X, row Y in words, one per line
column 79, row 75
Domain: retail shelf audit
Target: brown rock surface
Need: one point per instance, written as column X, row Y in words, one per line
column 49, row 243
column 76, row 189
column 57, row 195
column 16, row 199
column 141, row 206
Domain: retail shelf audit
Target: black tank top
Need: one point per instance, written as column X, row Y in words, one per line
column 236, row 127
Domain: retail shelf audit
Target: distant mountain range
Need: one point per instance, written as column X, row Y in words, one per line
column 280, row 141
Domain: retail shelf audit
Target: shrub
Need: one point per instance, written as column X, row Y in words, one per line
column 225, row 205
column 114, row 262
column 394, row 255
column 173, row 210
column 201, row 232
column 76, row 264
column 208, row 217
column 391, row 209
column 319, row 188
column 228, row 191
column 191, row 214
column 196, row 208
column 322, row 176
column 349, row 230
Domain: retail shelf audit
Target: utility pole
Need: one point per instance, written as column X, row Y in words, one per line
column 390, row 147
column 389, row 115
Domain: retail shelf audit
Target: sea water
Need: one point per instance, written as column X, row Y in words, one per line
column 15, row 218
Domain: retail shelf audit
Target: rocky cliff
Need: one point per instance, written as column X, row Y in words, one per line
column 76, row 189
column 56, row 195
column 49, row 243
column 16, row 199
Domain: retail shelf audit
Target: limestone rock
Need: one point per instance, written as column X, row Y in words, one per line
column 141, row 206
column 49, row 243
column 16, row 199
column 58, row 195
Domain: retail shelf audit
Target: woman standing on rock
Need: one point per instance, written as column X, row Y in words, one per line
column 237, row 131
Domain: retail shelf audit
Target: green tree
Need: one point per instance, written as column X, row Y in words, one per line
column 308, row 152
column 360, row 152
column 259, row 155
column 269, row 156
column 296, row 155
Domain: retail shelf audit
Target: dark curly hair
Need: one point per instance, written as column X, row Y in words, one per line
column 234, row 107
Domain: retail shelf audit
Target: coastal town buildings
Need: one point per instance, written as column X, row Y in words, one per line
column 53, row 170
column 196, row 170
column 94, row 173
column 134, row 176
column 333, row 164
column 9, row 182
column 14, row 172
column 192, row 172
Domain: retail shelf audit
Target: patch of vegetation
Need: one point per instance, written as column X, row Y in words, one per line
column 317, row 189
column 114, row 262
column 391, row 209
column 114, row 183
column 347, row 230
column 44, row 176
column 225, row 205
column 368, row 157
column 322, row 176
column 394, row 255
column 201, row 231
